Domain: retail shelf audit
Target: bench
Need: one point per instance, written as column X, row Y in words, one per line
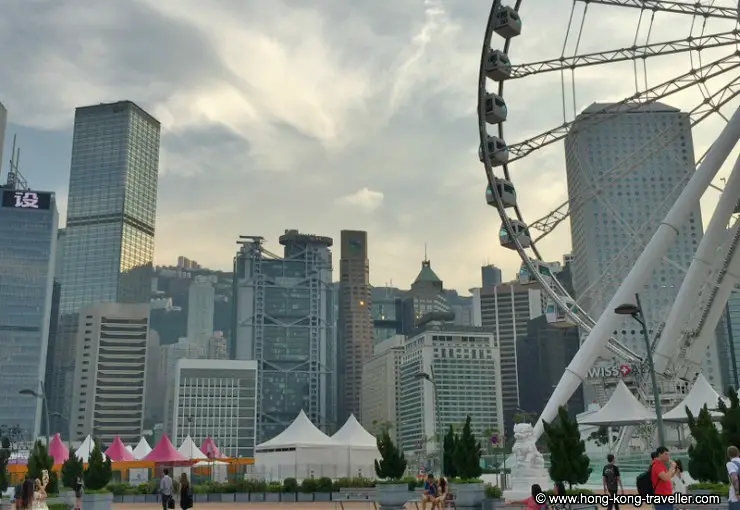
column 364, row 501
column 448, row 503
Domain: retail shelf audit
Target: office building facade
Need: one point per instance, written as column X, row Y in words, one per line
column 609, row 232
column 110, row 373
column 425, row 296
column 201, row 299
column 381, row 389
column 355, row 324
column 217, row 398
column 387, row 313
column 285, row 320
column 505, row 310
column 28, row 238
column 109, row 240
column 490, row 275
column 465, row 364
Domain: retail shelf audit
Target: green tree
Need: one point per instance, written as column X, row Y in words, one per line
column 392, row 464
column 568, row 460
column 71, row 470
column 98, row 472
column 449, row 449
column 467, row 453
column 601, row 436
column 706, row 455
column 730, row 420
column 4, row 458
column 40, row 460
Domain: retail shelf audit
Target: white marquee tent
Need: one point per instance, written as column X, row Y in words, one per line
column 142, row 449
column 362, row 447
column 300, row 451
column 130, row 450
column 623, row 409
column 190, row 450
column 701, row 394
column 85, row 449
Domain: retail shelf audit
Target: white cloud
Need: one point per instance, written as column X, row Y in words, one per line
column 365, row 199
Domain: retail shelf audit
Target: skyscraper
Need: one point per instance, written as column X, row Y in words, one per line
column 201, row 296
column 109, row 240
column 425, row 296
column 355, row 335
column 609, row 229
column 490, row 275
column 284, row 319
column 28, row 235
column 112, row 206
column 3, row 125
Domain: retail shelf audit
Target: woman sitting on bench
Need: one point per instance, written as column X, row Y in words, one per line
column 430, row 492
column 442, row 494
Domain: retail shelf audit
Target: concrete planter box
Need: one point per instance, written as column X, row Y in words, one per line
column 97, row 501
column 152, row 498
column 393, row 496
column 490, row 504
column 69, row 498
column 127, row 498
column 305, row 496
column 322, row 496
column 241, row 497
column 272, row 497
column 256, row 496
column 288, row 497
column 139, row 498
column 118, row 498
column 227, row 497
column 468, row 495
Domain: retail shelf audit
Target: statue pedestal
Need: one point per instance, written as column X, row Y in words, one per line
column 522, row 479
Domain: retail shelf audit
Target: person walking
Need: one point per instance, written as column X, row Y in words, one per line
column 612, row 481
column 660, row 476
column 733, row 471
column 165, row 489
column 186, row 493
column 78, row 493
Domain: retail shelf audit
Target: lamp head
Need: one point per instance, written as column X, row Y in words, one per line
column 627, row 309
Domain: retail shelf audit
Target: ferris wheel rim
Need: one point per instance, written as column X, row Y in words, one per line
column 553, row 288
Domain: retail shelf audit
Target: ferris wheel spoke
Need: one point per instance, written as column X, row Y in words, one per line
column 708, row 106
column 687, row 44
column 651, row 95
column 694, row 9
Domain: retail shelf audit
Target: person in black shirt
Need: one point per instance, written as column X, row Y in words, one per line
column 612, row 480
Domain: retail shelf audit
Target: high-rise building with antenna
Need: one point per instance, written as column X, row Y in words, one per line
column 3, row 127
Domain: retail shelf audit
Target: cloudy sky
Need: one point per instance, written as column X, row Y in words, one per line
column 320, row 115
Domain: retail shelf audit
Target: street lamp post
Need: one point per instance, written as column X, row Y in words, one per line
column 41, row 396
column 637, row 313
column 440, row 445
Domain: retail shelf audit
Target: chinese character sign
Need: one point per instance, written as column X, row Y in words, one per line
column 24, row 199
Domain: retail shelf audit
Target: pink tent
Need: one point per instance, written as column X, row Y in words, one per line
column 164, row 452
column 117, row 451
column 57, row 450
column 210, row 449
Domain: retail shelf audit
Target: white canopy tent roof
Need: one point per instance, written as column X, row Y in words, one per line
column 129, row 449
column 299, row 433
column 203, row 463
column 354, row 434
column 189, row 450
column 86, row 448
column 622, row 409
column 142, row 449
column 701, row 394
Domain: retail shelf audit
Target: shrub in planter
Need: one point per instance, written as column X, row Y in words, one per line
column 98, row 472
column 308, row 485
column 40, row 460
column 493, row 491
column 290, row 485
column 72, row 469
column 392, row 491
column 273, row 487
column 324, row 484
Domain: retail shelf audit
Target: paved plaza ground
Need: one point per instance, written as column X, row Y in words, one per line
column 318, row 505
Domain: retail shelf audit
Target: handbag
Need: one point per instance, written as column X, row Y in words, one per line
column 171, row 503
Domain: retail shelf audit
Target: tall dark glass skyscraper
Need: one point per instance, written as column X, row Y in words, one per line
column 109, row 239
column 28, row 235
column 112, row 206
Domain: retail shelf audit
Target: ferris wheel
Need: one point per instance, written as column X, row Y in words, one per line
column 713, row 31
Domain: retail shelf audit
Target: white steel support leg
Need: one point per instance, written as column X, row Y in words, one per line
column 704, row 261
column 698, row 349
column 658, row 246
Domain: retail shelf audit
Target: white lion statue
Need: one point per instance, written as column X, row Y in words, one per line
column 525, row 449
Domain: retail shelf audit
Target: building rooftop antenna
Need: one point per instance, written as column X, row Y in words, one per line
column 426, row 259
column 15, row 178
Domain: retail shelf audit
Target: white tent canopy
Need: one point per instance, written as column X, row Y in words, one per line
column 129, row 449
column 701, row 394
column 301, row 451
column 362, row 447
column 142, row 449
column 85, row 449
column 622, row 409
column 189, row 450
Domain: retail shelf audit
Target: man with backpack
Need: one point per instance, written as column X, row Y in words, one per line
column 612, row 481
column 733, row 471
column 660, row 476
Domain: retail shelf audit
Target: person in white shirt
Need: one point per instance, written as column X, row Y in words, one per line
column 733, row 471
column 679, row 485
column 165, row 488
